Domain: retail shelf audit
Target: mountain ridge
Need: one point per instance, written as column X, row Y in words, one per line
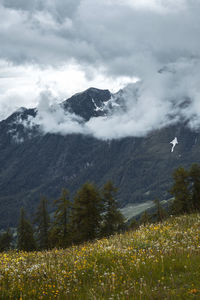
column 33, row 164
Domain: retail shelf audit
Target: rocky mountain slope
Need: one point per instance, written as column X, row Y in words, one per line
column 34, row 163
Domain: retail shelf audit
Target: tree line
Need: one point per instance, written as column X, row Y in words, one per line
column 186, row 190
column 186, row 197
column 94, row 214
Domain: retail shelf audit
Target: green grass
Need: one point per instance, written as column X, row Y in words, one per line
column 158, row 261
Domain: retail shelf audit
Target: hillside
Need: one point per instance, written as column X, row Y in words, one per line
column 35, row 163
column 158, row 261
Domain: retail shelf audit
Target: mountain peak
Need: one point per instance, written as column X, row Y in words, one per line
column 95, row 90
column 89, row 103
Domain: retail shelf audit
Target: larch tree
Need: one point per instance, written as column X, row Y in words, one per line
column 194, row 174
column 86, row 215
column 60, row 235
column 5, row 240
column 42, row 221
column 181, row 191
column 25, row 236
column 160, row 213
column 145, row 218
column 113, row 220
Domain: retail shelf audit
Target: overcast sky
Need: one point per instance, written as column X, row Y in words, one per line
column 66, row 46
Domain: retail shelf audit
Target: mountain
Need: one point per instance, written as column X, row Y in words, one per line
column 88, row 104
column 35, row 163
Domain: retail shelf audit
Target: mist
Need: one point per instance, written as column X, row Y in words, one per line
column 155, row 41
column 167, row 97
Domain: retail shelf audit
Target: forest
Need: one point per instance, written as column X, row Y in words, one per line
column 94, row 214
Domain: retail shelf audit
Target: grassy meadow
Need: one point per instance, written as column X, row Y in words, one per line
column 157, row 261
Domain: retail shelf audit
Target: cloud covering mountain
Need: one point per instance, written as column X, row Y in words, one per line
column 169, row 97
column 156, row 41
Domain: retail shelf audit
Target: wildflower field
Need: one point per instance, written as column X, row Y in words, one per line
column 158, row 261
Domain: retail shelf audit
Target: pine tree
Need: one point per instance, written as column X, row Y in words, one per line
column 87, row 210
column 60, row 236
column 113, row 220
column 5, row 241
column 194, row 174
column 42, row 221
column 25, row 238
column 180, row 191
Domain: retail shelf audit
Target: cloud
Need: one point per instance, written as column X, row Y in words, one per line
column 122, row 36
column 59, row 9
column 52, row 118
column 22, row 85
column 107, row 40
column 170, row 96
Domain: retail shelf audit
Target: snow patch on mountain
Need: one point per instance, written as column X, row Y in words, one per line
column 97, row 108
column 174, row 143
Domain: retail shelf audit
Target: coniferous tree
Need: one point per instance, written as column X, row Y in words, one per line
column 42, row 221
column 181, row 191
column 113, row 220
column 25, row 237
column 5, row 241
column 86, row 216
column 133, row 224
column 145, row 218
column 160, row 213
column 60, row 235
column 194, row 174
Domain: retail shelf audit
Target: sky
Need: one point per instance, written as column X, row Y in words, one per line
column 62, row 47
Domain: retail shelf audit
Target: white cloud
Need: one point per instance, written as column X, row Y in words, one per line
column 160, row 6
column 163, row 99
column 22, row 85
column 67, row 46
column 52, row 118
